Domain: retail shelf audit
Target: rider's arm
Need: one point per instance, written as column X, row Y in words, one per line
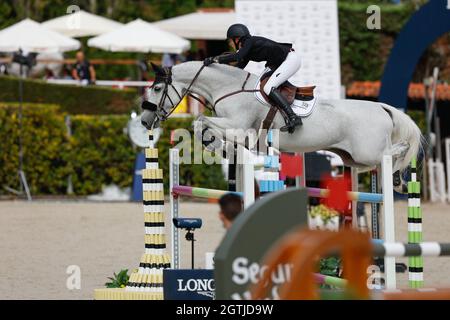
column 239, row 56
column 242, row 64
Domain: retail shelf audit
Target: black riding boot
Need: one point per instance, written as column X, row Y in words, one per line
column 293, row 119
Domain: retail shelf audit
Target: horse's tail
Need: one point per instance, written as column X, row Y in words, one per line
column 405, row 132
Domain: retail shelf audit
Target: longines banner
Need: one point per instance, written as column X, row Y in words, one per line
column 312, row 26
column 188, row 284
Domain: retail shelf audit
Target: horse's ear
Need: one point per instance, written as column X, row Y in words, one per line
column 157, row 69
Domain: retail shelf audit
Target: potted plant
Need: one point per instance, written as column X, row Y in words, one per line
column 119, row 280
column 323, row 218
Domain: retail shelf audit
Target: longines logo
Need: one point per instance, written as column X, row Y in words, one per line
column 204, row 287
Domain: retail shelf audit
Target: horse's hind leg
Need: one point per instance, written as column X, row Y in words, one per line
column 398, row 152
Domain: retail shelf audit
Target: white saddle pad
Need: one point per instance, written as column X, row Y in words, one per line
column 300, row 107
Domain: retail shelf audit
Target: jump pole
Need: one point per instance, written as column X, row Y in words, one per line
column 248, row 175
column 355, row 187
column 174, row 180
column 388, row 219
column 415, row 264
column 447, row 162
column 176, row 190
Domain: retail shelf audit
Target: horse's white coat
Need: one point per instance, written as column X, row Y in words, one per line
column 359, row 131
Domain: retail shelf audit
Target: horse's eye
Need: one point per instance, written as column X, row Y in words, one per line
column 157, row 89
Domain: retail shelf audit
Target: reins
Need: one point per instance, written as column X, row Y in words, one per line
column 188, row 92
column 236, row 92
column 167, row 82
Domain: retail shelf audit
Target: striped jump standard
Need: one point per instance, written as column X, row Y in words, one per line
column 146, row 282
column 415, row 264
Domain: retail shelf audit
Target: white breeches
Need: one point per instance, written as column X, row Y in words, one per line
column 286, row 70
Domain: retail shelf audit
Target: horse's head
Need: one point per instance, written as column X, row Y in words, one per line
column 162, row 98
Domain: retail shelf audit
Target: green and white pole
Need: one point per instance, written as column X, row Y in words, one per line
column 415, row 268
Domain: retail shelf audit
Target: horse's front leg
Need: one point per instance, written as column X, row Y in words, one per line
column 233, row 130
column 210, row 131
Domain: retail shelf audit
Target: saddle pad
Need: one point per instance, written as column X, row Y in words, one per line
column 301, row 108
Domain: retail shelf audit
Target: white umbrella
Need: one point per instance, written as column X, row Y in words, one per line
column 140, row 36
column 81, row 24
column 208, row 25
column 31, row 36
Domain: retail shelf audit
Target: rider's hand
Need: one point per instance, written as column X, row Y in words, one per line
column 208, row 61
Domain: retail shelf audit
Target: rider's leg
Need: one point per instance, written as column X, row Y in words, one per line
column 288, row 68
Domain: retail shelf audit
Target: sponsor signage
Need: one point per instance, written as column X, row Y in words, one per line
column 239, row 259
column 188, row 284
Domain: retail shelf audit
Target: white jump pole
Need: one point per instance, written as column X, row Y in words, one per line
column 355, row 187
column 174, row 179
column 246, row 167
column 447, row 161
column 388, row 217
column 246, row 162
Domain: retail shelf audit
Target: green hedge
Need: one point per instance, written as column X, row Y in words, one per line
column 45, row 146
column 98, row 152
column 71, row 99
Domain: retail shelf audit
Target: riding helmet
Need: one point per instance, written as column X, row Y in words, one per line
column 237, row 30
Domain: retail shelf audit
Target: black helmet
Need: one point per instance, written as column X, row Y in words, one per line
column 237, row 30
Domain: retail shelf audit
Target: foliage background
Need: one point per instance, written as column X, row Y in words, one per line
column 363, row 52
column 97, row 153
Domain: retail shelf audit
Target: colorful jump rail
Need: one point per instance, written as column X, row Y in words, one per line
column 312, row 192
column 353, row 196
column 200, row 192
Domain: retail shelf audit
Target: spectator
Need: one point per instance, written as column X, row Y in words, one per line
column 49, row 74
column 167, row 60
column 83, row 70
column 230, row 206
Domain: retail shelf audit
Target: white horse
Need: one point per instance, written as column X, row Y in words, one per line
column 358, row 131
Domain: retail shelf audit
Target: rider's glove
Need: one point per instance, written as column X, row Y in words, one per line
column 209, row 61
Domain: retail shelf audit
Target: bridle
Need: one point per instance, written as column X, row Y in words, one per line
column 166, row 78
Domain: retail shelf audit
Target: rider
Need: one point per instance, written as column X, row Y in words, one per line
column 280, row 57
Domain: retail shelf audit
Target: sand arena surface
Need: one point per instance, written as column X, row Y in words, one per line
column 39, row 240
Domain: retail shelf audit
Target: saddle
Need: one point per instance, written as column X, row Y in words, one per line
column 288, row 90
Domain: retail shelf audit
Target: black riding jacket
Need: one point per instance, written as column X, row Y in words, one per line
column 258, row 49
